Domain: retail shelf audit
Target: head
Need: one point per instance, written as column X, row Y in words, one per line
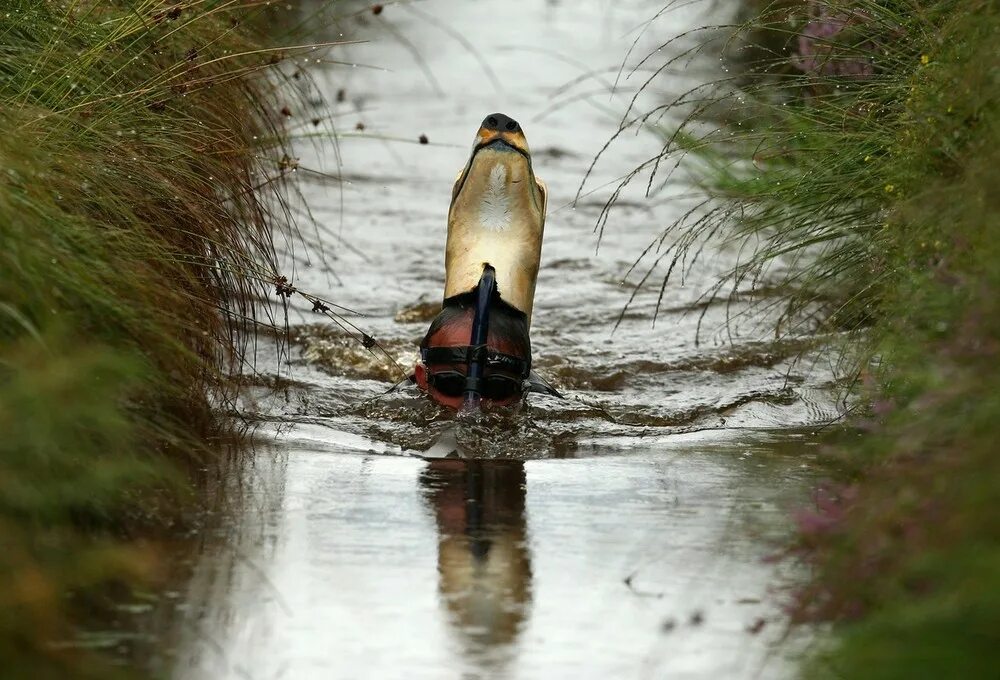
column 497, row 216
column 443, row 377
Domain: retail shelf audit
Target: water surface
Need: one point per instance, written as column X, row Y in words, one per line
column 623, row 532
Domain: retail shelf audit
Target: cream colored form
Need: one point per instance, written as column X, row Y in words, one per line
column 497, row 217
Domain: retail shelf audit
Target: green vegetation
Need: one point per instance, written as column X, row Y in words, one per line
column 135, row 138
column 858, row 166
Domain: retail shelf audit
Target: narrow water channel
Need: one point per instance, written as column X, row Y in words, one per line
column 622, row 533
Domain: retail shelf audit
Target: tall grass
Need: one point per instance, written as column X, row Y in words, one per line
column 853, row 158
column 796, row 145
column 142, row 183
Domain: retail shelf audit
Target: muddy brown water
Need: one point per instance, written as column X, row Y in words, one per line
column 621, row 533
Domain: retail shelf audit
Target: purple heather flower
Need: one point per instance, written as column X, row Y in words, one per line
column 818, row 51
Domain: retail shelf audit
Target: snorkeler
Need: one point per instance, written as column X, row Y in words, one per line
column 477, row 351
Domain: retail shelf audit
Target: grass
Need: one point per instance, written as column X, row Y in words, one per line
column 141, row 187
column 853, row 160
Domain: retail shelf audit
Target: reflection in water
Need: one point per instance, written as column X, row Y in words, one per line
column 484, row 566
column 646, row 564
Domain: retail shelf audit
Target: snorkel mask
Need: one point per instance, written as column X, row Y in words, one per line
column 478, row 348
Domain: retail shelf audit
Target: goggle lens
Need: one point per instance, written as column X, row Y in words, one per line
column 496, row 386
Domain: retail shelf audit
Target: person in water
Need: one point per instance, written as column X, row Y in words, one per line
column 477, row 351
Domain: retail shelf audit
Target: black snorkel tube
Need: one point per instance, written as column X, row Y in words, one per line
column 480, row 333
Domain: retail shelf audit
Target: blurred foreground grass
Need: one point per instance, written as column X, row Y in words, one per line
column 855, row 160
column 140, row 186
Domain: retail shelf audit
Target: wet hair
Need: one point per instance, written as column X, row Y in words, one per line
column 508, row 326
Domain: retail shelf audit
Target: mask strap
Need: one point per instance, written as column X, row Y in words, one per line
column 480, row 333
